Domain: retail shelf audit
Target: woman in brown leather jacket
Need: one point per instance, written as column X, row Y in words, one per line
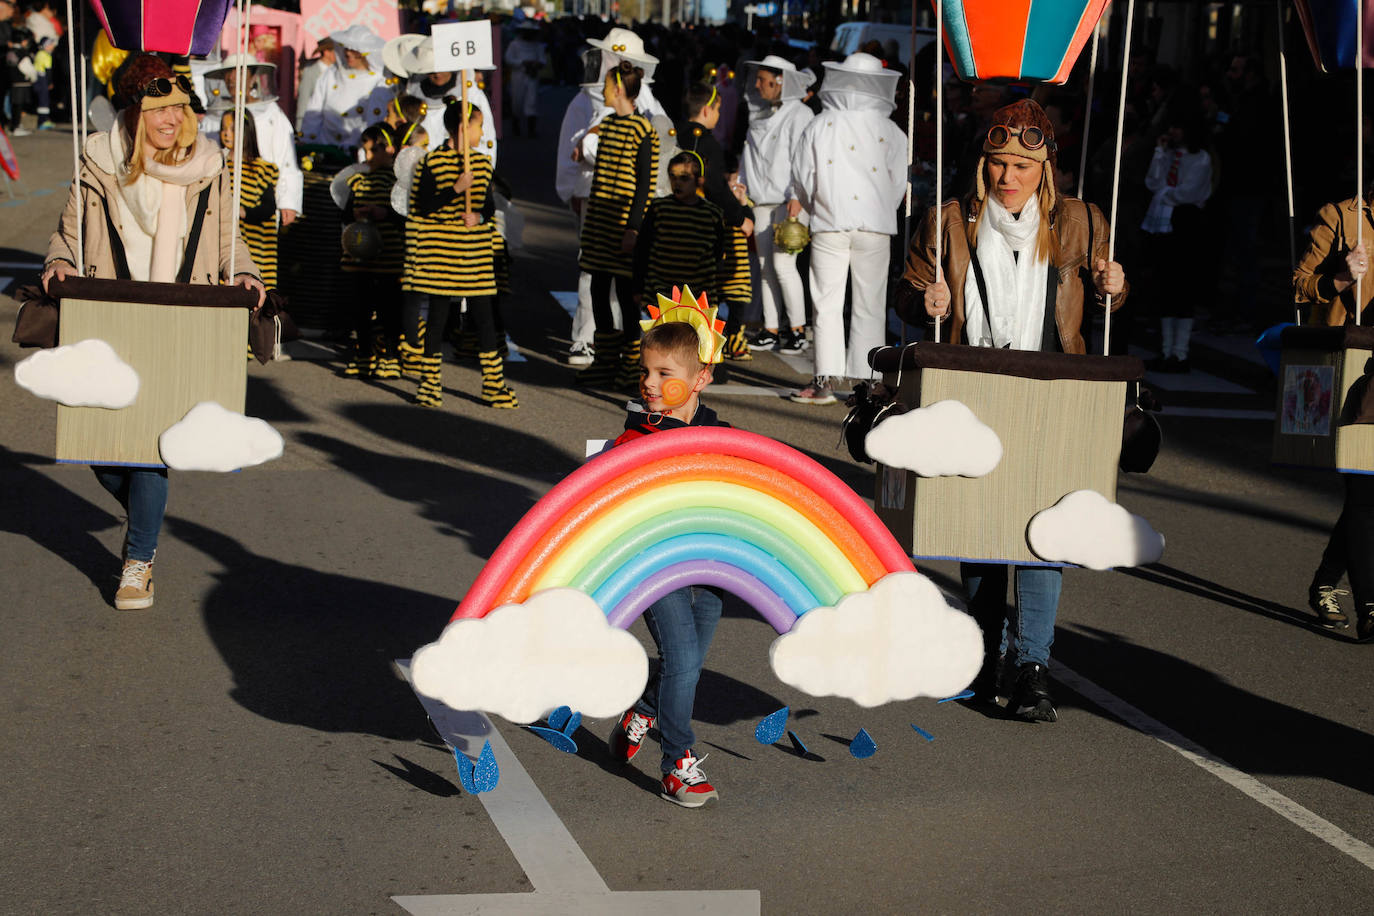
column 1018, row 262
column 1326, row 280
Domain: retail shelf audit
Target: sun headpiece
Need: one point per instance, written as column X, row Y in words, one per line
column 694, row 310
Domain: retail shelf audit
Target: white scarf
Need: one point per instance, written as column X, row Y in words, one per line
column 1016, row 285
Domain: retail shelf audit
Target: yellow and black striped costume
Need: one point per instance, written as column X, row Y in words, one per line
column 680, row 244
column 735, row 282
column 258, row 226
column 373, row 189
column 626, row 163
column 443, row 256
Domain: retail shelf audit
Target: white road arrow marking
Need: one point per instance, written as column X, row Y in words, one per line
column 564, row 879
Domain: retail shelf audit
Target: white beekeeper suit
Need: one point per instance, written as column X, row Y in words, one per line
column 849, row 173
column 276, row 137
column 775, row 128
column 345, row 101
column 523, row 55
column 412, row 57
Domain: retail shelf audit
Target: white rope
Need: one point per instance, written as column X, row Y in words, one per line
column 1359, row 149
column 85, row 74
column 240, row 77
column 910, row 143
column 1088, row 109
column 937, row 210
column 1116, row 173
column 1287, row 150
column 76, row 147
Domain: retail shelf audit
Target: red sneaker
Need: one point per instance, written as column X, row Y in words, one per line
column 628, row 735
column 686, row 785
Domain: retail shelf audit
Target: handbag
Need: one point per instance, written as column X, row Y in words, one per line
column 269, row 326
column 1141, row 435
column 36, row 325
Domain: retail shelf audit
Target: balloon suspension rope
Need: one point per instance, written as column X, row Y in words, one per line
column 467, row 150
column 1359, row 150
column 1116, row 173
column 1287, row 150
column 1088, row 110
column 76, row 144
column 937, row 208
column 240, row 77
column 910, row 144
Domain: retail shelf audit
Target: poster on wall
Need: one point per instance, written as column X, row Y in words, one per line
column 320, row 17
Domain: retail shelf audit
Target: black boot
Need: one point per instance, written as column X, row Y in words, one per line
column 1030, row 698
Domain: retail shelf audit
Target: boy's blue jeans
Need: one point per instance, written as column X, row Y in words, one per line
column 1032, row 619
column 143, row 494
column 682, row 624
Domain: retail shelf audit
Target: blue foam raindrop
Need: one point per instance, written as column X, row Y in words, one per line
column 923, row 733
column 465, row 769
column 559, row 717
column 486, row 774
column 573, row 723
column 558, row 739
column 962, row 695
column 863, row 746
column 771, row 727
column 797, row 743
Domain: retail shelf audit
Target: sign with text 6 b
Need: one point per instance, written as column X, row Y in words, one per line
column 462, row 45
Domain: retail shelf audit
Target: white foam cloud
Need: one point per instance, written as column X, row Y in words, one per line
column 942, row 440
column 1086, row 529
column 898, row 640
column 84, row 374
column 213, row 438
column 522, row 660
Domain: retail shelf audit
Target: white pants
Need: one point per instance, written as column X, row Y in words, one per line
column 863, row 257
column 584, row 323
column 782, row 283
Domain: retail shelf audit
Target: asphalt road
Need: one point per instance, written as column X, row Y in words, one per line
column 247, row 746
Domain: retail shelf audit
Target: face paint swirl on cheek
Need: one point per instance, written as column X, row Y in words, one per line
column 675, row 393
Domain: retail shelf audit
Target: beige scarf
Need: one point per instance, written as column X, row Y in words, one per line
column 157, row 203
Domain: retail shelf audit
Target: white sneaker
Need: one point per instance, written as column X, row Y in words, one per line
column 580, row 354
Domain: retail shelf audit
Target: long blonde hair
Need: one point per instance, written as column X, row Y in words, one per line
column 136, row 131
column 1046, row 239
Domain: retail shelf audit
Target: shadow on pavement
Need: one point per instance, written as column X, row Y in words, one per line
column 58, row 520
column 1250, row 732
column 425, row 780
column 314, row 649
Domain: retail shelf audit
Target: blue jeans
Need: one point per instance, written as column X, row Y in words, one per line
column 1032, row 619
column 143, row 494
column 682, row 624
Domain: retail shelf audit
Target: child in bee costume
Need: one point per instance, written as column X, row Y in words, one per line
column 374, row 277
column 735, row 281
column 257, row 197
column 624, row 180
column 449, row 255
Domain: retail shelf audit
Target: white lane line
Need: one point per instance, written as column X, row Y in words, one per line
column 1190, row 750
column 564, row 879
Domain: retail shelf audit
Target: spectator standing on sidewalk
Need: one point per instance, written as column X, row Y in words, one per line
column 1325, row 280
column 1180, row 178
column 849, row 172
column 777, row 118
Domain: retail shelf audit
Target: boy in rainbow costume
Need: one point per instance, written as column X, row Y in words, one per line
column 681, row 344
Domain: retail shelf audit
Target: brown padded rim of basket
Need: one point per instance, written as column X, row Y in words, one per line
column 1323, row 338
column 1022, row 363
column 153, row 293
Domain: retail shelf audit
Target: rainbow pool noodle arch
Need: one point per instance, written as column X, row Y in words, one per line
column 711, row 506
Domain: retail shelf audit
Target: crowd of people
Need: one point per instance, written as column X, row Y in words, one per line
column 766, row 180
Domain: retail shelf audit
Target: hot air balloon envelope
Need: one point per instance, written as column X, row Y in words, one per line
column 171, row 26
column 1330, row 29
column 1018, row 39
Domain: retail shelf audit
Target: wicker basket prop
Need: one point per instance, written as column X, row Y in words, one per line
column 1059, row 419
